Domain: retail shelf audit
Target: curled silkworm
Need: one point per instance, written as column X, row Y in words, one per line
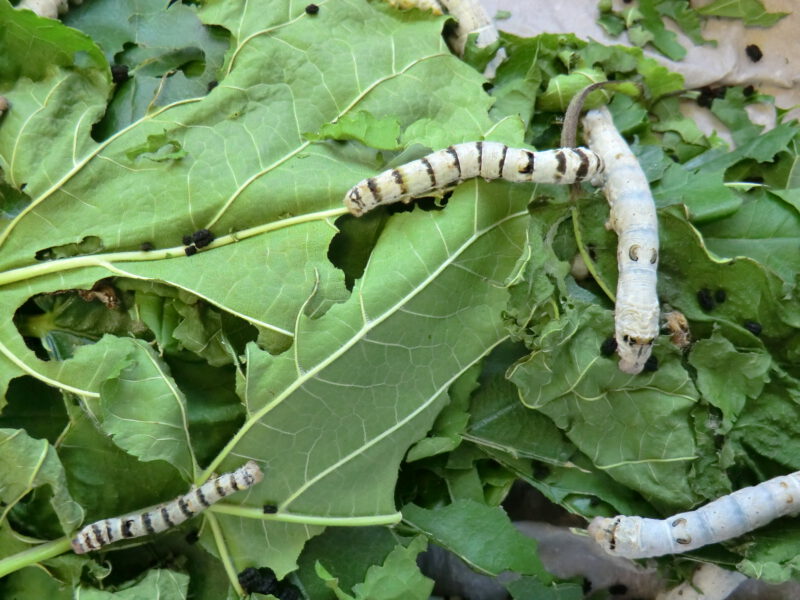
column 633, row 217
column 725, row 518
column 164, row 516
column 490, row 160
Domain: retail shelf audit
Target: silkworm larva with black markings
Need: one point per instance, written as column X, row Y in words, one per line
column 162, row 517
column 633, row 217
column 725, row 518
column 490, row 160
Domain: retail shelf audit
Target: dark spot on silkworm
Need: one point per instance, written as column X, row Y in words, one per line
column 212, row 84
column 748, row 91
column 618, row 589
column 187, row 239
column 678, row 522
column 270, row 509
column 126, row 528
column 400, row 181
column 561, row 167
column 190, row 250
column 633, row 253
column 529, row 167
column 583, row 169
column 148, row 524
column 119, row 73
column 684, row 541
column 754, row 53
column 608, row 347
column 235, row 484
column 479, row 146
column 147, row 246
column 165, row 516
column 185, row 508
column 192, row 537
column 456, row 163
column 503, row 160
column 220, row 489
column 720, row 296
column 312, row 9
column 98, row 533
column 654, row 256
column 429, row 169
column 355, row 198
column 705, row 299
column 198, row 493
column 651, row 364
column 753, row 327
column 373, row 187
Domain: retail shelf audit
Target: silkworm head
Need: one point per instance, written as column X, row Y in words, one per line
column 633, row 353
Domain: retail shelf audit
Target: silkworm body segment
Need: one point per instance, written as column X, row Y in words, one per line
column 725, row 518
column 633, row 217
column 162, row 517
column 490, row 160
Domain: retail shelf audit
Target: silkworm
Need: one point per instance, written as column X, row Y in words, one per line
column 633, row 217
column 164, row 516
column 490, row 160
column 725, row 518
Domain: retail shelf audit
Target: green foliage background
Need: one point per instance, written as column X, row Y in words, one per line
column 373, row 367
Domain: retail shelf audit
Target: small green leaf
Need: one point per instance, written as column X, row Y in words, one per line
column 463, row 528
column 157, row 583
column 752, row 12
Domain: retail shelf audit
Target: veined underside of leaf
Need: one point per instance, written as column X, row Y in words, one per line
column 330, row 419
column 248, row 173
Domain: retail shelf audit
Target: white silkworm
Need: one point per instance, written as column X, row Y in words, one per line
column 490, row 160
column 162, row 517
column 725, row 518
column 633, row 217
column 470, row 15
column 709, row 582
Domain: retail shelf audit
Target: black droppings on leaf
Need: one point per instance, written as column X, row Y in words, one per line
column 190, row 250
column 754, row 53
column 720, row 296
column 651, row 365
column 608, row 347
column 119, row 73
column 312, row 9
column 487, row 86
column 270, row 509
column 709, row 93
column 258, row 581
column 753, row 327
column 212, row 84
column 202, row 238
column 618, row 589
column 706, row 300
column 147, row 246
column 192, row 537
column 187, row 239
column 748, row 91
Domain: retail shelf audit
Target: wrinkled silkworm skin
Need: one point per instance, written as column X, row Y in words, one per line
column 725, row 518
column 490, row 160
column 164, row 516
column 633, row 217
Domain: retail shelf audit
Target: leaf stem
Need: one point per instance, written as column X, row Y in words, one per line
column 106, row 260
column 248, row 512
column 224, row 556
column 33, row 555
column 576, row 228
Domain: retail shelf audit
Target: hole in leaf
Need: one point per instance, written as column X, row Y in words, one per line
column 90, row 244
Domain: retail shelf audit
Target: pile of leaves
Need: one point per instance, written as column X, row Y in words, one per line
column 393, row 375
